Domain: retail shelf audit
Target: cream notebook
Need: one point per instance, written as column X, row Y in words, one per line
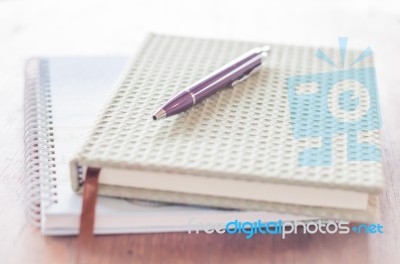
column 286, row 140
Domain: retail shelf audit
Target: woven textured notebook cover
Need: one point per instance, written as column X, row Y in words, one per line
column 255, row 131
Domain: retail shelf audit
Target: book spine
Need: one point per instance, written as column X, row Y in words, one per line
column 39, row 141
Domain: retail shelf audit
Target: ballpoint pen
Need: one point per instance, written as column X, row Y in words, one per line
column 230, row 74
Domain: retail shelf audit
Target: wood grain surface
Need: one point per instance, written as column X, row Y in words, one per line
column 31, row 28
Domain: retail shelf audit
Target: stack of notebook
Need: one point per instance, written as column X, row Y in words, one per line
column 237, row 150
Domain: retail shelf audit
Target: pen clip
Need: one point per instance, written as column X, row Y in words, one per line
column 244, row 77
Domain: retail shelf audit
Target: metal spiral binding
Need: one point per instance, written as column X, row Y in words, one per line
column 39, row 140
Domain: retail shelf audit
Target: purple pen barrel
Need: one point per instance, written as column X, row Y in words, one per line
column 179, row 103
column 229, row 74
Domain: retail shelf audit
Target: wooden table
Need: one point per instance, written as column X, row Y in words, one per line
column 29, row 28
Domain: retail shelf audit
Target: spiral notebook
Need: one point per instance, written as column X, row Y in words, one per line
column 63, row 95
column 283, row 140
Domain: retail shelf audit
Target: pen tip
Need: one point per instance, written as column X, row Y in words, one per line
column 160, row 113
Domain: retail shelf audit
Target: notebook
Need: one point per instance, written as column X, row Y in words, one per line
column 62, row 98
column 283, row 141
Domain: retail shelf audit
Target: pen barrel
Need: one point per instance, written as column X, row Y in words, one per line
column 251, row 55
column 179, row 103
column 226, row 77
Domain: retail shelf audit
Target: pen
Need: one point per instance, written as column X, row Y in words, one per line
column 230, row 74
